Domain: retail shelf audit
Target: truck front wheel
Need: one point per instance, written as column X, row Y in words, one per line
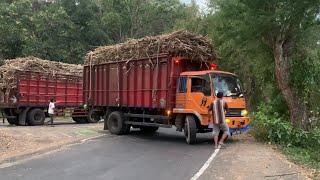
column 190, row 129
column 116, row 124
column 36, row 117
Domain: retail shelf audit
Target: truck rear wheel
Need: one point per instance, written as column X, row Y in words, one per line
column 190, row 129
column 93, row 116
column 36, row 117
column 12, row 120
column 80, row 120
column 116, row 123
column 149, row 129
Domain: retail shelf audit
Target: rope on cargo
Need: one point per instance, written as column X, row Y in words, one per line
column 118, row 73
column 131, row 65
column 90, row 80
column 154, row 91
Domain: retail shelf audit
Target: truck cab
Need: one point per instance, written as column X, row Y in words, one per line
column 196, row 90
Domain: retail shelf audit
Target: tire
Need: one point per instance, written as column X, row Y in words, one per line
column 93, row 116
column 149, row 129
column 80, row 120
column 116, row 123
column 36, row 117
column 12, row 121
column 190, row 130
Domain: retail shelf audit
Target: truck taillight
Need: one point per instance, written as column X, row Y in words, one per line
column 213, row 66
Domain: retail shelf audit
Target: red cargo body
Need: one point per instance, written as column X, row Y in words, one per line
column 35, row 89
column 140, row 83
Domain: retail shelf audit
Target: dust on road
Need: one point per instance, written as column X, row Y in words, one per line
column 244, row 158
column 17, row 141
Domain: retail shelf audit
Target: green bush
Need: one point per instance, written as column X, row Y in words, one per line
column 268, row 125
column 302, row 147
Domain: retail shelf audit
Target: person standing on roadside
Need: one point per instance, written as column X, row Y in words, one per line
column 51, row 110
column 218, row 108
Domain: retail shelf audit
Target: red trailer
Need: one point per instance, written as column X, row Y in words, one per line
column 27, row 101
column 161, row 91
column 142, row 83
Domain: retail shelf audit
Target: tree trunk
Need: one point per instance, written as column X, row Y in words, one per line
column 298, row 110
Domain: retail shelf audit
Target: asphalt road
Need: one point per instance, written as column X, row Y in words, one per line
column 164, row 155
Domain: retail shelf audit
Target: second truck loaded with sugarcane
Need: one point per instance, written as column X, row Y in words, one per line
column 161, row 81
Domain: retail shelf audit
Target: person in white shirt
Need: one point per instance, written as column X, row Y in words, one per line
column 51, row 110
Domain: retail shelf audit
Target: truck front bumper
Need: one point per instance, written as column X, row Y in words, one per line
column 238, row 124
column 239, row 130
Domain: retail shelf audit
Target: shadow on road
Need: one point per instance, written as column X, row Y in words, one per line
column 167, row 135
column 57, row 123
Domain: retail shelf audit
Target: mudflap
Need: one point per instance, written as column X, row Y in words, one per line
column 23, row 117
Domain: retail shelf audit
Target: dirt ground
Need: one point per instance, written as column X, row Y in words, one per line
column 19, row 141
column 244, row 158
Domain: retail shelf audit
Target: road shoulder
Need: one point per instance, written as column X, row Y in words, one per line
column 23, row 142
column 244, row 158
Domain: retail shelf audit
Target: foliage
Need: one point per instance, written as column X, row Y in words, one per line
column 67, row 29
column 14, row 29
column 259, row 40
column 270, row 126
column 50, row 21
column 301, row 146
column 304, row 156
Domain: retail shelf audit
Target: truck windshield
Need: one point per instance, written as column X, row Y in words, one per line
column 228, row 84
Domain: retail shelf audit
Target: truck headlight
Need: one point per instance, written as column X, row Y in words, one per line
column 244, row 112
column 228, row 121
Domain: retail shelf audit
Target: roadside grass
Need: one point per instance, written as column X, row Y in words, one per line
column 306, row 157
column 301, row 147
column 309, row 158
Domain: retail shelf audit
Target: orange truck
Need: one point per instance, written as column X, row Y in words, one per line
column 162, row 91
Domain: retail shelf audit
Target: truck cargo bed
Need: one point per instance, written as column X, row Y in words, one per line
column 140, row 83
column 36, row 89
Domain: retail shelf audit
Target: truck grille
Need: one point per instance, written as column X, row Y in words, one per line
column 234, row 112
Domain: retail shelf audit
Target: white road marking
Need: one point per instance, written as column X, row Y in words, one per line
column 205, row 166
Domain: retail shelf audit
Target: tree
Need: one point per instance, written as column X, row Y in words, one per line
column 52, row 34
column 275, row 24
column 14, row 29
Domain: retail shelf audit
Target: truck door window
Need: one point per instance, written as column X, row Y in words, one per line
column 182, row 85
column 201, row 84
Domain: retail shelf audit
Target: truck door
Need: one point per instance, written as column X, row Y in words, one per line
column 200, row 95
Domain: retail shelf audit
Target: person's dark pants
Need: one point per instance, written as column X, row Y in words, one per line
column 51, row 118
